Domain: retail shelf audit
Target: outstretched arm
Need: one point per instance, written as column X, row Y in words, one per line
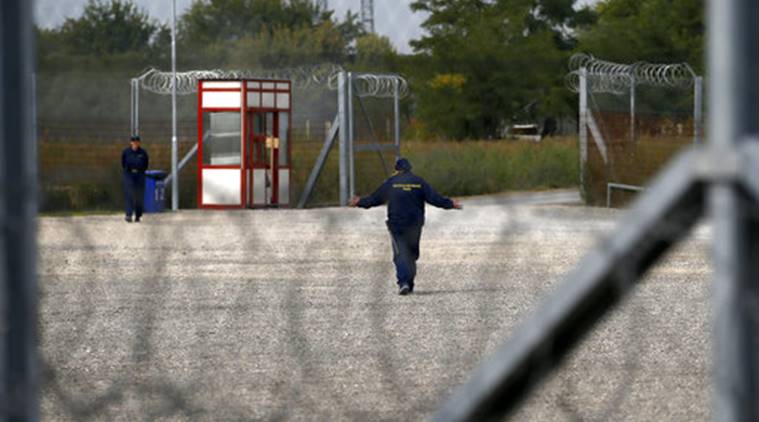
column 434, row 198
column 379, row 197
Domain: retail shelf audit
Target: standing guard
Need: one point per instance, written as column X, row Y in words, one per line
column 134, row 162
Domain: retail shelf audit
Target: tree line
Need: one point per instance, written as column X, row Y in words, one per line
column 479, row 64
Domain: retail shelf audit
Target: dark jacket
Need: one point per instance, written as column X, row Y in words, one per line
column 405, row 194
column 135, row 162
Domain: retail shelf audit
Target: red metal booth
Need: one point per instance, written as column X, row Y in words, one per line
column 244, row 143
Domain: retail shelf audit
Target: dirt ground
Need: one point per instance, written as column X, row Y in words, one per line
column 294, row 315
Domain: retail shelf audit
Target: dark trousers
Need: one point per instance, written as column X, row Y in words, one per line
column 134, row 192
column 405, row 241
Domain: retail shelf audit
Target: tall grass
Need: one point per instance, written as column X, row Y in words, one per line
column 633, row 163
column 85, row 177
column 480, row 167
column 455, row 168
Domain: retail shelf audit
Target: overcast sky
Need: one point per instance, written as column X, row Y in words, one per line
column 392, row 18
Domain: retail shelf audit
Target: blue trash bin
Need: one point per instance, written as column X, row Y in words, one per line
column 154, row 188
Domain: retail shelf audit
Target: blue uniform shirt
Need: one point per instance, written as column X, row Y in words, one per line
column 405, row 194
column 135, row 162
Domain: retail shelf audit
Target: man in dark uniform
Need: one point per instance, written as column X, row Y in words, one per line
column 134, row 161
column 405, row 194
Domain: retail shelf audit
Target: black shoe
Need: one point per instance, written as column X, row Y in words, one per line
column 137, row 219
column 128, row 219
column 404, row 290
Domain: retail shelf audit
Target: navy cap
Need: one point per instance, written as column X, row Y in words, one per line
column 135, row 138
column 402, row 164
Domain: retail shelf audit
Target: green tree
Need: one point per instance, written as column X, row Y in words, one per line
column 659, row 31
column 374, row 53
column 209, row 21
column 286, row 48
column 271, row 33
column 105, row 28
column 49, row 42
column 483, row 62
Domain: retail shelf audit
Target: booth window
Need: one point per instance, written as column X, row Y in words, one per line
column 221, row 143
column 254, row 99
column 284, row 121
column 267, row 100
column 283, row 100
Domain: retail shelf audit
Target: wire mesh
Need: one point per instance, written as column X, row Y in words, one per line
column 642, row 114
column 292, row 315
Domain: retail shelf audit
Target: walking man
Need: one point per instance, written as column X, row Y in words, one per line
column 134, row 161
column 405, row 194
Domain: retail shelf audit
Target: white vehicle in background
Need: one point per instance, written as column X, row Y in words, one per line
column 529, row 132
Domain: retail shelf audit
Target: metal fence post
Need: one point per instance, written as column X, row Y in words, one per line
column 698, row 109
column 174, row 141
column 397, row 117
column 632, row 109
column 734, row 96
column 351, row 155
column 583, row 128
column 19, row 367
column 132, row 98
column 343, row 138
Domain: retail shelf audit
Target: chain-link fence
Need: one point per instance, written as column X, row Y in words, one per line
column 84, row 122
column 294, row 314
column 634, row 119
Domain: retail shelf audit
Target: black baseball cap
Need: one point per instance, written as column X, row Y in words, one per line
column 402, row 165
column 135, row 138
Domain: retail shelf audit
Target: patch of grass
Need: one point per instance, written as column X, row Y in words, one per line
column 633, row 163
column 453, row 168
column 77, row 197
column 481, row 167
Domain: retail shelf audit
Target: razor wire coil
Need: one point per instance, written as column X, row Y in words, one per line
column 303, row 77
column 375, row 85
column 616, row 78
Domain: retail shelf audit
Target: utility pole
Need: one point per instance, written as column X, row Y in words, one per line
column 174, row 143
column 367, row 15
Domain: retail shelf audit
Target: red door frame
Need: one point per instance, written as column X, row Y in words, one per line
column 247, row 138
column 201, row 166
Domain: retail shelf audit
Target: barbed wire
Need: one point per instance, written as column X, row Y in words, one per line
column 616, row 78
column 302, row 77
column 375, row 85
column 617, row 84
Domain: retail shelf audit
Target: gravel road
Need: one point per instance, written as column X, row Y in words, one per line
column 294, row 315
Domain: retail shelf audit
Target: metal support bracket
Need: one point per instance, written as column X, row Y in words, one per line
column 597, row 137
column 186, row 159
column 311, row 183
